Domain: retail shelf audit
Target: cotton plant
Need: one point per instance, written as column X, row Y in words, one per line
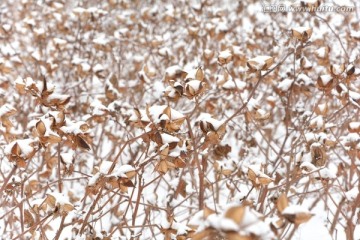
column 178, row 120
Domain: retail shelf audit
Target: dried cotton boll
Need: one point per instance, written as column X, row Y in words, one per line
column 325, row 82
column 224, row 57
column 302, row 34
column 260, row 63
column 194, row 88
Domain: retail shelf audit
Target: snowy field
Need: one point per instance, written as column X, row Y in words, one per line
column 204, row 119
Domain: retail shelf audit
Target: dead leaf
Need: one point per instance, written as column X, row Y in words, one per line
column 302, row 33
column 265, row 180
column 28, row 218
column 40, row 127
column 50, row 200
column 208, row 233
column 235, row 213
column 282, row 202
column 66, row 208
column 15, row 150
column 251, row 175
column 222, row 150
column 298, row 218
column 199, row 74
column 181, row 188
column 163, row 166
column 130, row 174
column 232, row 235
column 179, row 162
column 80, row 142
column 54, row 138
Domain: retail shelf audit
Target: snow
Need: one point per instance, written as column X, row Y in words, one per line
column 234, row 84
column 48, row 123
column 167, row 138
column 180, row 228
column 253, row 104
column 98, row 108
column 258, row 173
column 225, row 54
column 143, row 117
column 349, row 67
column 39, row 31
column 92, row 181
column 271, row 98
column 158, row 89
column 68, row 157
column 6, row 110
column 30, row 21
column 352, row 125
column 294, row 209
column 355, row 34
column 208, row 52
column 60, row 198
column 224, row 224
column 157, row 110
column 222, row 27
column 314, row 229
column 322, row 107
column 261, row 112
column 56, row 115
column 122, row 170
column 326, row 173
column 260, row 228
column 56, row 96
column 36, row 55
column 305, row 78
column 343, row 90
column 318, row 122
column 354, row 95
column 105, row 167
column 207, row 118
column 26, row 147
column 164, row 117
column 259, row 62
column 308, row 167
column 321, row 52
column 98, row 68
column 285, row 84
column 6, row 27
column 301, row 30
column 344, row 2
column 352, row 194
column 101, row 40
column 85, row 66
column 194, row 84
column 28, row 82
column 6, row 50
column 173, row 70
column 307, row 63
column 170, row 92
column 337, row 69
column 351, row 137
column 325, row 79
column 74, row 127
column 165, row 51
column 237, row 50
